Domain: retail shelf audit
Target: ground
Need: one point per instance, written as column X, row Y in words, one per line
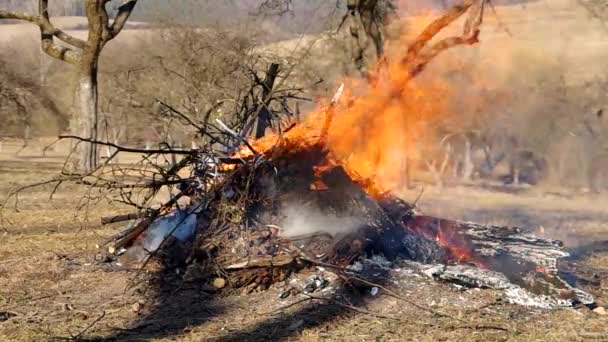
column 52, row 286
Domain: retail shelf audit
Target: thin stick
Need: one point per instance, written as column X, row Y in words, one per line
column 103, row 314
column 236, row 135
column 330, row 111
column 419, row 197
column 128, row 149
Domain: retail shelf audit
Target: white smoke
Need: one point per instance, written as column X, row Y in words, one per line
column 302, row 219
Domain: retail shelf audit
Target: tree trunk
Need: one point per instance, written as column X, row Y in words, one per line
column 84, row 55
column 365, row 22
column 467, row 163
column 358, row 40
column 86, row 99
column 86, row 116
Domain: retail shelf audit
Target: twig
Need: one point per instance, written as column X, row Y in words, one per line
column 282, row 308
column 324, row 264
column 396, row 296
column 129, row 149
column 236, row 136
column 77, row 337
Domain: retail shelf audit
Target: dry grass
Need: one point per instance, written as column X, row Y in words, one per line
column 49, row 278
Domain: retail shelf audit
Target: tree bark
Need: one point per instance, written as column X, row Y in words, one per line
column 85, row 116
column 86, row 122
column 467, row 167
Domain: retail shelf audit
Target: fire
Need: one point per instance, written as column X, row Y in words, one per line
column 379, row 125
column 382, row 123
column 376, row 127
column 446, row 235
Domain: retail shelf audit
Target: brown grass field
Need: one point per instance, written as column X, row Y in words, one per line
column 53, row 288
column 51, row 281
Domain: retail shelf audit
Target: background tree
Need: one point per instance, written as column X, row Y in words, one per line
column 84, row 54
column 364, row 25
column 365, row 22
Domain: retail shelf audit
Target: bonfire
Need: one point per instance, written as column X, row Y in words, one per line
column 318, row 193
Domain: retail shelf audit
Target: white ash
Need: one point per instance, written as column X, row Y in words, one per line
column 379, row 260
column 517, row 295
column 468, row 276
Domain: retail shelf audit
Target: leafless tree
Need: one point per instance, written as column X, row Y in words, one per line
column 84, row 54
column 365, row 21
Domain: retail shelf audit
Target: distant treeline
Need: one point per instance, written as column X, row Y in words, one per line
column 56, row 7
column 231, row 11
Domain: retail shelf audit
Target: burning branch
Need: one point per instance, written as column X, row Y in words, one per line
column 419, row 54
column 330, row 111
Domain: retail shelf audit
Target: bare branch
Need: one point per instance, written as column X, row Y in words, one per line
column 236, row 136
column 20, row 16
column 434, row 28
column 59, row 52
column 49, row 28
column 129, row 149
column 469, row 36
column 47, row 32
column 119, row 148
column 124, row 12
column 419, row 54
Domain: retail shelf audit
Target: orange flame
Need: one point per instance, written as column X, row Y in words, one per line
column 376, row 127
column 445, row 233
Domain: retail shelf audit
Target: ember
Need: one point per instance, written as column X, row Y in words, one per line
column 447, row 236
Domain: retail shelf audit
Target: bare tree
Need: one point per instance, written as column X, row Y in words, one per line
column 84, row 54
column 365, row 22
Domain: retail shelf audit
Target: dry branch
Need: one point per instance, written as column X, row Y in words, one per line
column 330, row 110
column 71, row 55
column 419, row 54
column 120, row 218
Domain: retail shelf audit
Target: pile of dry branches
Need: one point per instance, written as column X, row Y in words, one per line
column 234, row 199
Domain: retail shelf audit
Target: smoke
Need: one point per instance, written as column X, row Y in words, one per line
column 302, row 219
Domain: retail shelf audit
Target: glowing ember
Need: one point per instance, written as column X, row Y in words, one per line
column 457, row 247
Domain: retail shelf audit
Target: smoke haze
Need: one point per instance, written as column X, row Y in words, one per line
column 302, row 219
